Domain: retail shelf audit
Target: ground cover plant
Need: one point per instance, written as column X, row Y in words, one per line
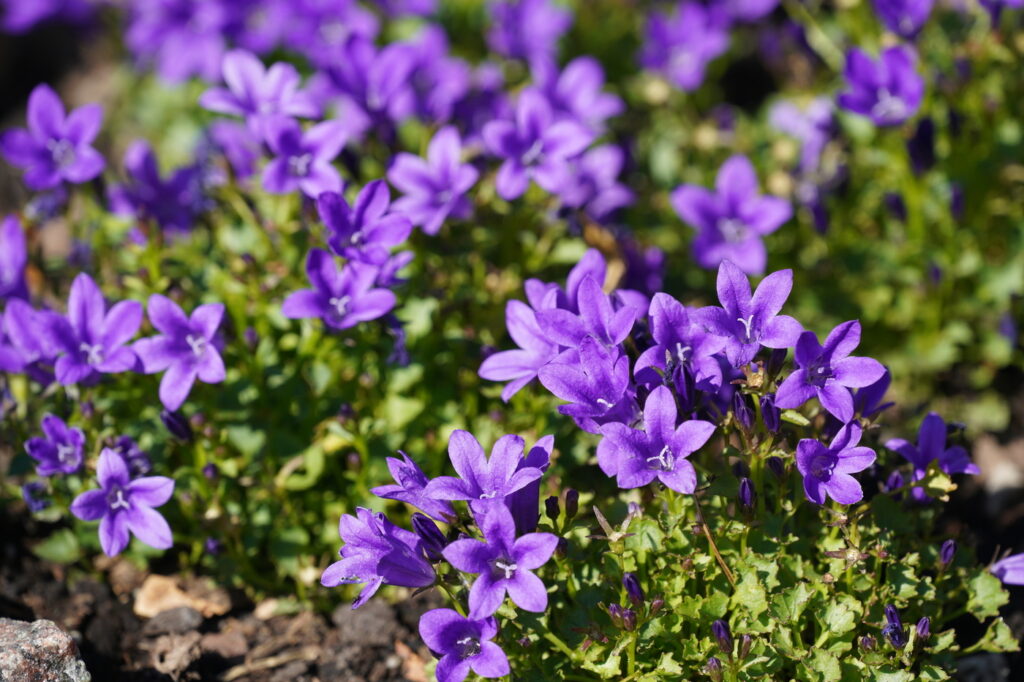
column 649, row 338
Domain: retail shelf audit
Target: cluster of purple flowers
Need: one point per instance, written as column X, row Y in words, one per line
column 502, row 496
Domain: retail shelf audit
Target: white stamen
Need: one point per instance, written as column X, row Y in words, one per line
column 197, row 344
column 664, row 460
column 681, row 352
column 299, row 165
column 747, row 324
column 889, row 107
column 93, row 353
column 64, row 452
column 508, row 568
column 340, row 304
column 119, row 501
column 732, row 229
column 533, row 154
column 605, row 403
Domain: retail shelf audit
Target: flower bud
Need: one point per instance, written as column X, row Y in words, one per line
column 177, row 425
column 893, row 631
column 562, row 548
column 657, row 604
column 770, row 414
column 213, row 546
column 572, row 503
column 551, row 508
column 31, row 492
column 746, row 641
column 720, row 629
column 740, row 409
column 776, row 359
column 714, row 669
column 868, row 643
column 894, row 482
column 633, row 589
column 629, row 619
column 431, row 536
column 615, row 613
column 251, row 338
column 776, row 466
column 747, row 494
column 947, row 552
column 210, row 471
column 924, row 628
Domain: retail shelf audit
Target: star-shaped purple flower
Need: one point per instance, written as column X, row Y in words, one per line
column 91, row 338
column 410, row 487
column 526, row 29
column 13, row 258
column 595, row 380
column 184, row 350
column 905, row 18
column 746, row 321
column 174, row 203
column 374, row 85
column 520, row 366
column 367, row 231
column 303, row 159
column 124, row 505
column 342, row 297
column 829, row 372
column 597, row 319
column 931, row 446
column 731, row 221
column 504, row 564
column 59, row 451
column 434, row 188
column 592, row 183
column 577, row 92
column 887, row 90
column 55, row 147
column 534, row 146
column 680, row 343
column 826, row 470
column 462, row 644
column 681, row 46
column 636, row 458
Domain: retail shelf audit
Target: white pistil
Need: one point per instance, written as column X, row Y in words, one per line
column 664, row 460
column 93, row 352
column 64, row 452
column 299, row 165
column 508, row 567
column 340, row 304
column 197, row 344
column 119, row 501
column 747, row 324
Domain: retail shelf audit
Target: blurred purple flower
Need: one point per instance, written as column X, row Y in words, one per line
column 366, row 231
column 374, row 85
column 591, row 182
column 680, row 46
column 931, row 446
column 303, row 159
column 577, row 91
column 181, row 38
column 59, row 451
column 173, row 203
column 527, row 29
column 905, row 18
column 887, row 90
column 13, row 258
column 1010, row 570
column 341, row 297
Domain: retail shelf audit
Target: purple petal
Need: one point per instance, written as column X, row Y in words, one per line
column 857, row 372
column 733, row 290
column 152, row 491
column 782, row 332
column 90, row 505
column 435, row 624
column 87, row 165
column 114, row 534
column 837, row 399
column 794, row 391
column 853, row 460
column 149, row 526
column 156, row 353
column 121, row 323
column 842, row 340
column 660, row 414
column 771, row 294
column 506, row 454
column 736, row 180
column 45, row 112
column 512, row 180
column 931, row 439
column 86, row 308
column 83, row 124
column 491, row 662
column 210, row 368
column 527, row 591
column 470, row 556
column 167, row 317
column 485, row 596
column 533, row 550
column 844, row 489
column 682, row 478
column 176, row 384
column 449, row 488
column 111, row 470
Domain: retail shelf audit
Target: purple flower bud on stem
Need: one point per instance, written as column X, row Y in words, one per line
column 746, row 641
column 714, row 669
column 629, row 620
column 770, row 414
column 615, row 613
column 741, row 410
column 633, row 589
column 213, row 546
column 894, row 482
column 177, row 425
column 551, row 508
column 947, row 552
column 747, row 494
column 572, row 503
column 893, row 631
column 868, row 643
column 657, row 604
column 30, row 492
column 433, row 539
column 924, row 628
column 210, row 471
column 720, row 629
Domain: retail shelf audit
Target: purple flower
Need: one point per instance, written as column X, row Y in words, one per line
column 410, row 487
column 124, row 505
column 30, row 333
column 31, row 493
column 731, row 221
column 91, row 339
column 377, row 552
column 595, row 380
column 21, row 16
column 577, row 92
column 681, row 46
column 174, row 204
column 184, row 350
column 867, row 401
column 134, row 457
column 829, row 372
column 526, row 29
column 364, row 232
column 462, row 644
column 438, row 80
column 303, row 159
column 591, row 183
column 374, row 85
column 342, row 297
column 931, row 446
column 747, row 321
column 258, row 94
column 182, row 38
column 436, row 187
column 321, row 29
column 534, row 146
column 905, row 18
column 504, row 564
column 60, row 451
column 482, row 481
column 636, row 458
column 749, row 10
column 397, row 8
column 680, row 343
column 55, row 147
column 525, row 502
column 597, row 319
column 813, row 125
column 826, row 470
column 1010, row 570
column 519, row 367
column 13, row 257
column 238, row 144
column 887, row 90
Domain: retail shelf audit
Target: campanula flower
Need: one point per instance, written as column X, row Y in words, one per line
column 679, row 47
column 826, row 470
column 92, row 339
column 410, row 487
column 887, row 90
column 893, row 630
column 462, row 644
column 504, row 564
column 438, row 80
column 60, row 451
column 436, row 187
column 303, row 159
column 592, row 185
column 56, row 147
column 174, row 204
column 525, row 502
column 749, row 10
column 13, row 258
column 867, row 401
column 746, row 321
column 1010, row 570
column 134, row 457
column 366, row 231
column 184, row 350
column 577, row 91
column 597, row 318
column 659, row 451
column 812, row 125
column 680, row 343
column 731, row 221
column 181, row 38
column 905, row 18
column 931, row 446
column 124, row 505
column 829, row 371
column 377, row 552
column 374, row 85
column 32, row 493
column 594, row 379
column 527, row 29
column 534, row 146
column 342, row 297
column 520, row 366
column 321, row 29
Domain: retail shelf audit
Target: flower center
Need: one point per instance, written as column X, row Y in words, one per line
column 64, row 453
column 732, row 230
column 489, row 495
column 747, row 323
column 340, row 304
column 682, row 60
column 534, row 153
column 504, row 568
column 683, row 353
column 818, row 373
column 197, row 344
column 62, row 151
column 117, row 499
column 822, row 466
column 605, row 403
column 663, row 461
column 93, row 353
column 468, row 646
column 889, row 107
column 299, row 165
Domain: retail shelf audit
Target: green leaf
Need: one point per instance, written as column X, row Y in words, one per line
column 841, row 615
column 608, row 669
column 998, row 637
column 62, row 547
column 794, row 417
column 788, row 606
column 890, row 673
column 987, row 595
column 750, row 595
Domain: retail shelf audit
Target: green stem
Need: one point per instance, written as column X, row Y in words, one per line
column 631, row 656
column 560, row 645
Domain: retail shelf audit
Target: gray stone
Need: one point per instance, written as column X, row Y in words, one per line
column 38, row 652
column 174, row 621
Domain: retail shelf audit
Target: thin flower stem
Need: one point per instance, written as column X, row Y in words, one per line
column 711, row 542
column 631, row 655
column 560, row 645
column 826, row 48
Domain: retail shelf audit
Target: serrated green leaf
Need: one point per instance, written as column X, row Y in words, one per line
column 987, row 595
column 750, row 595
column 998, row 637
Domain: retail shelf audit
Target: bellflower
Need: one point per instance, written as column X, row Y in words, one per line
column 592, row 183
column 30, row 332
column 436, row 187
column 680, row 46
column 482, row 480
column 463, row 644
column 534, row 146
column 595, row 381
column 812, row 125
column 377, row 552
column 1010, row 570
column 374, row 85
column 887, row 90
column 174, row 203
column 124, row 505
column 527, row 29
column 525, row 502
column 366, row 231
column 59, row 451
column 731, row 221
column 826, row 470
column 519, row 367
column 577, row 91
column 829, row 372
column 438, row 80
column 303, row 159
column 867, row 401
column 504, row 564
column 410, row 487
column 56, row 147
column 134, row 457
column 238, row 144
column 91, row 338
column 749, row 10
column 13, row 258
column 184, row 350
column 321, row 29
column 931, row 446
column 341, row 297
column 597, row 318
column 905, row 18
column 258, row 94
column 746, row 321
column 680, row 343
column 182, row 38
column 636, row 458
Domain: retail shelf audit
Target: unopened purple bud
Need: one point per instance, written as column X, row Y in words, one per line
column 894, row 482
column 562, row 548
column 177, row 425
column 213, row 546
column 956, row 201
column 893, row 631
column 747, row 494
column 947, row 551
column 868, row 643
column 572, row 503
column 32, row 494
column 897, row 208
column 720, row 629
column 210, row 471
column 776, row 359
column 746, row 641
column 88, row 409
column 629, row 620
column 770, row 414
column 551, row 508
column 714, row 669
column 346, row 412
column 615, row 613
column 777, row 466
column 921, row 146
column 431, row 536
column 657, row 604
column 251, row 338
column 744, row 417
column 924, row 628
column 633, row 589
column 892, row 615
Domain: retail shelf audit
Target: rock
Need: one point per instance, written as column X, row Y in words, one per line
column 227, row 645
column 38, row 652
column 160, row 593
column 373, row 624
column 173, row 654
column 173, row 621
